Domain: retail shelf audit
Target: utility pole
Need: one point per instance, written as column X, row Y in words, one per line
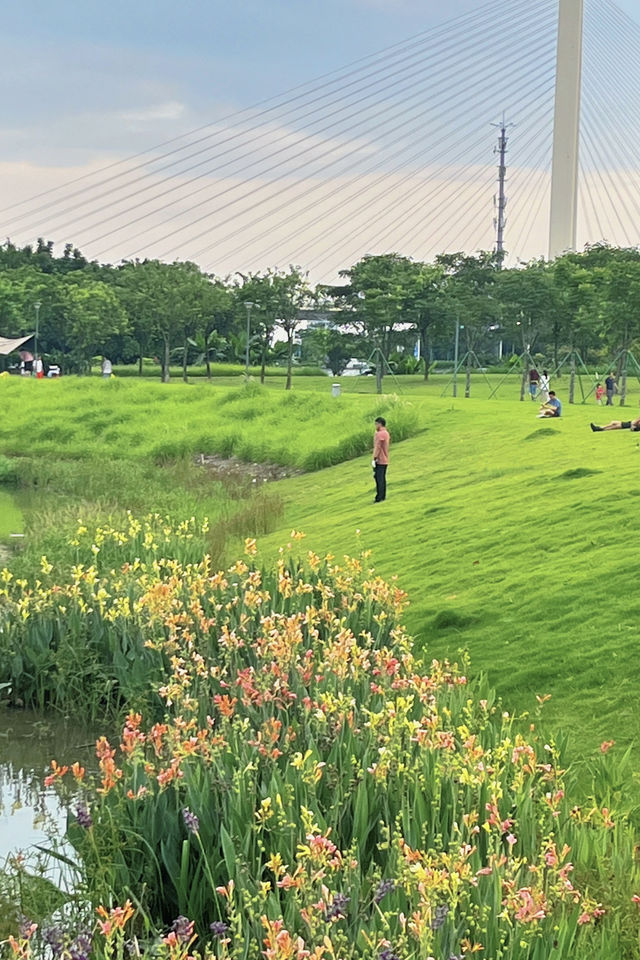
column 500, row 221
column 566, row 129
column 249, row 307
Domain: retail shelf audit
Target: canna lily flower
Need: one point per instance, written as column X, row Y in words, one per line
column 115, row 919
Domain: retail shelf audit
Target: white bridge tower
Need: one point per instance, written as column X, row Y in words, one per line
column 566, row 129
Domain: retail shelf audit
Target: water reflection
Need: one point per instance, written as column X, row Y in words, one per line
column 11, row 520
column 31, row 813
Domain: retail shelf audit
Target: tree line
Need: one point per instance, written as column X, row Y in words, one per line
column 585, row 306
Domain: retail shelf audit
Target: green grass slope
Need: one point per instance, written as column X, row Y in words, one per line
column 85, row 418
column 516, row 539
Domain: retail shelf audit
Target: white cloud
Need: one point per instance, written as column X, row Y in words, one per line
column 170, row 110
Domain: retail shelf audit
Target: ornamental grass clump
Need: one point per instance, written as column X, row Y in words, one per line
column 311, row 790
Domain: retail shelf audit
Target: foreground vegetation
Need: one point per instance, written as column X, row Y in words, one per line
column 295, row 781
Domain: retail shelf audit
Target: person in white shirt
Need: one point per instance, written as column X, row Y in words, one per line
column 544, row 387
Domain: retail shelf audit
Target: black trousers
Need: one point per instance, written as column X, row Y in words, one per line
column 380, row 473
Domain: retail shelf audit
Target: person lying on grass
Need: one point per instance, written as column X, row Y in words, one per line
column 618, row 425
column 552, row 408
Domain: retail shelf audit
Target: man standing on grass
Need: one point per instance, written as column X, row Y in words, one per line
column 610, row 387
column 380, row 458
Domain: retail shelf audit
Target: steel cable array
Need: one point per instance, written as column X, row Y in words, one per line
column 393, row 152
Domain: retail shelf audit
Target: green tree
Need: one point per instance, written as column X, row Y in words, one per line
column 425, row 304
column 262, row 291
column 93, row 313
column 470, row 296
column 528, row 299
column 292, row 293
column 165, row 302
column 373, row 301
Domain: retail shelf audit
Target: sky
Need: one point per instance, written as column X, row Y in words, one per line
column 95, row 82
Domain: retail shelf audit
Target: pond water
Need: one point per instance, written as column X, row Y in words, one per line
column 31, row 813
column 11, row 518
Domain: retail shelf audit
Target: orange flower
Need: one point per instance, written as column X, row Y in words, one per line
column 469, row 947
column 115, row 919
column 225, row 704
column 56, row 773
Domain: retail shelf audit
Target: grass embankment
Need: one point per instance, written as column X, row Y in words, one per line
column 115, row 419
column 515, row 538
column 97, row 448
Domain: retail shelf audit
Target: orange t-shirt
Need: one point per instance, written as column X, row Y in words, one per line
column 381, row 446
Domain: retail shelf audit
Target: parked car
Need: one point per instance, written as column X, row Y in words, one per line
column 356, row 368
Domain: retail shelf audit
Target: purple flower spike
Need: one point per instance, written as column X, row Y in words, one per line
column 191, row 822
column 339, row 906
column 218, row 928
column 383, row 888
column 183, row 929
column 84, row 817
column 80, row 949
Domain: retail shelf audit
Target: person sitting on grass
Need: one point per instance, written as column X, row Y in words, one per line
column 633, row 425
column 552, row 408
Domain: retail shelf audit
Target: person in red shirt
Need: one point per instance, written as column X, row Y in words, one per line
column 380, row 458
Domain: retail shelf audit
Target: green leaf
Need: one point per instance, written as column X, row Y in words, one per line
column 228, row 851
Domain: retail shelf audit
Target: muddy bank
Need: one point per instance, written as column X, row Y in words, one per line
column 234, row 470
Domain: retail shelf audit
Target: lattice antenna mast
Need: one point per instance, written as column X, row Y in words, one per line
column 566, row 129
column 500, row 220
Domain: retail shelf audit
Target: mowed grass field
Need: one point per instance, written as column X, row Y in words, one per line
column 516, row 539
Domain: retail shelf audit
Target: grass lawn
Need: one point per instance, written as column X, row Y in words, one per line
column 516, row 539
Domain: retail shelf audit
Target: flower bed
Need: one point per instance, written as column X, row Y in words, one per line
column 310, row 790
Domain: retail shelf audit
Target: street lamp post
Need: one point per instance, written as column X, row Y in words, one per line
column 455, row 356
column 37, row 306
column 249, row 307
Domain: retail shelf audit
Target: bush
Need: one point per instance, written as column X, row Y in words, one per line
column 217, row 370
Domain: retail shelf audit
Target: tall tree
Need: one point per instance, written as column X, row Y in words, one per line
column 94, row 315
column 470, row 295
column 425, row 304
column 292, row 293
column 527, row 300
column 373, row 301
